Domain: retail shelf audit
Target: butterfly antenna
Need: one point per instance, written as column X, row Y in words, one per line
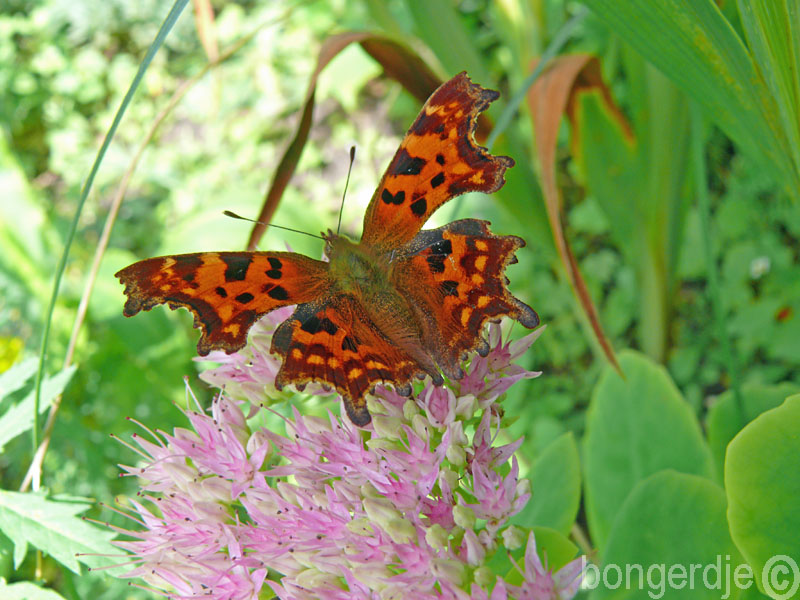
column 233, row 215
column 349, row 169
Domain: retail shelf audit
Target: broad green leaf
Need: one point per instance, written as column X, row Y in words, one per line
column 724, row 421
column 19, row 418
column 53, row 528
column 635, row 427
column 693, row 44
column 762, row 480
column 556, row 485
column 25, row 590
column 15, row 377
column 669, row 521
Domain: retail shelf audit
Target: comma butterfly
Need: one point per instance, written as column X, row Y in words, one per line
column 403, row 302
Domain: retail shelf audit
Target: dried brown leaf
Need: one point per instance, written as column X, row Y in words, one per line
column 549, row 98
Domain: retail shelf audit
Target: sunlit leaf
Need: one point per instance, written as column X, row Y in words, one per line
column 54, row 528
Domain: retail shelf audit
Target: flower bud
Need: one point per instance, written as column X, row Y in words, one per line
column 421, row 426
column 437, row 537
column 387, row 427
column 449, row 569
column 513, row 537
column 402, row 531
column 483, row 576
column 410, row 409
column 456, row 455
column 361, row 526
column 464, row 516
column 380, row 511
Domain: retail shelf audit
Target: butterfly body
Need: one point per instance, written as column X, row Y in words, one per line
column 400, row 304
column 357, row 269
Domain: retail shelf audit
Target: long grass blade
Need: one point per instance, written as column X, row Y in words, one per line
column 166, row 26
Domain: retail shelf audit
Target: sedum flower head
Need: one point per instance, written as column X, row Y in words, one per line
column 415, row 506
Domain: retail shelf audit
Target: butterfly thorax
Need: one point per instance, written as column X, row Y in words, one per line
column 356, row 269
column 360, row 272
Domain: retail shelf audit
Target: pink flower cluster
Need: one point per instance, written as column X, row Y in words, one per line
column 414, row 506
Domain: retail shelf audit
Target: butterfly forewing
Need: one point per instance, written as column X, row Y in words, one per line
column 438, row 160
column 226, row 291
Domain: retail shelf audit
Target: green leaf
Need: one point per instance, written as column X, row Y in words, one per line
column 762, row 480
column 456, row 50
column 25, row 590
column 724, row 421
column 669, row 521
column 53, row 528
column 16, row 376
column 638, row 179
column 693, row 44
column 556, row 484
column 553, row 548
column 19, row 418
column 772, row 28
column 636, row 427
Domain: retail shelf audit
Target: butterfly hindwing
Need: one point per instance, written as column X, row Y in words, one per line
column 455, row 277
column 226, row 291
column 438, row 160
column 338, row 345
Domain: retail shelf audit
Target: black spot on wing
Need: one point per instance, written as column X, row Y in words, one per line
column 237, row 266
column 278, row 293
column 436, row 262
column 443, row 247
column 349, row 343
column 419, row 207
column 397, row 198
column 275, row 263
column 457, row 188
column 405, row 164
column 188, row 262
column 437, row 180
column 440, row 159
column 426, row 123
column 274, row 274
column 244, row 298
column 221, row 292
column 450, row 288
column 314, row 325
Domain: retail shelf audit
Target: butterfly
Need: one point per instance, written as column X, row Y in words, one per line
column 402, row 303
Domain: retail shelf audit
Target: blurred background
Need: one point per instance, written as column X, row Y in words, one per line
column 231, row 80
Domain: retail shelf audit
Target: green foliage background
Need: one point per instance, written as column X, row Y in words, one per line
column 639, row 234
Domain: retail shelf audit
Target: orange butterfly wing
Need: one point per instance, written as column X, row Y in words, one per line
column 337, row 343
column 438, row 160
column 455, row 278
column 226, row 291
